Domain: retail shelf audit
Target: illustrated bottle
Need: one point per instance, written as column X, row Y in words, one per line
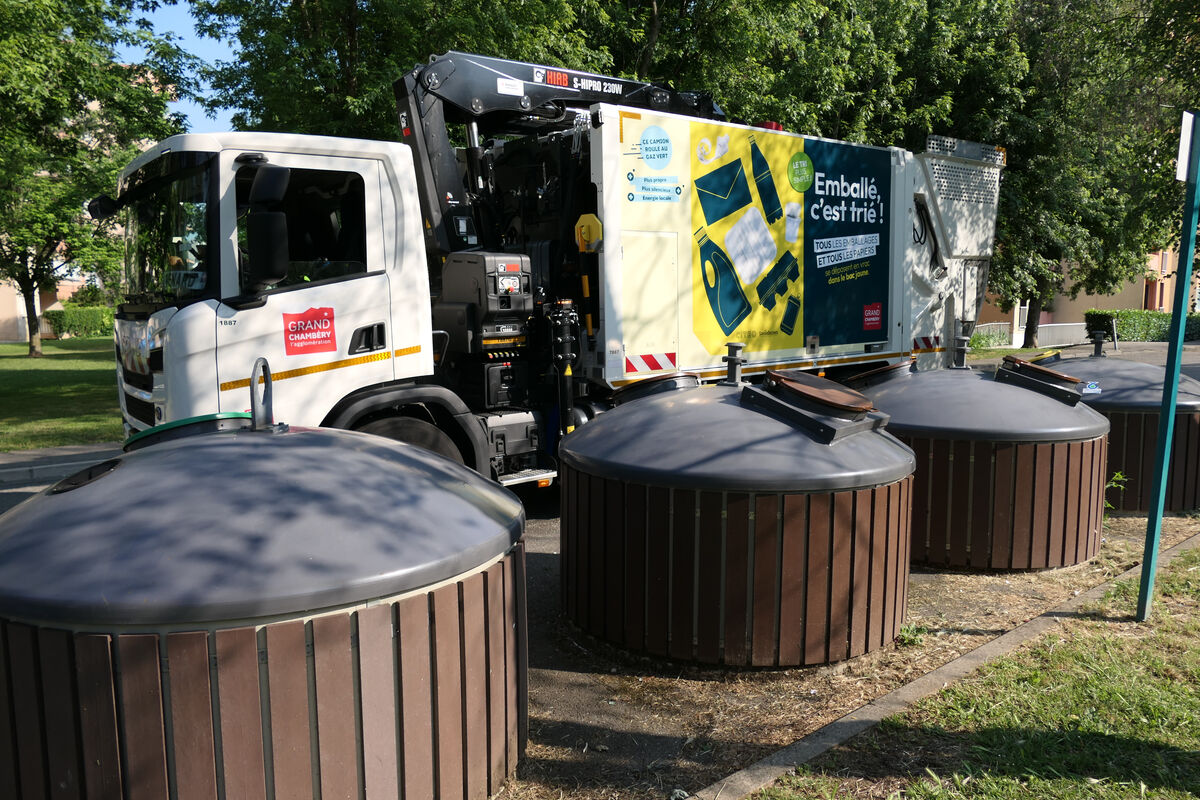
column 721, row 284
column 766, row 184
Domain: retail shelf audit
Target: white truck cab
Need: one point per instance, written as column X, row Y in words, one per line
column 354, row 237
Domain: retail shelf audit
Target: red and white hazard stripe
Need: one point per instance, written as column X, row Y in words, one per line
column 927, row 343
column 649, row 362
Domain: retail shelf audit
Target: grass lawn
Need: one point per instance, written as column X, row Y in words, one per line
column 69, row 396
column 1000, row 352
column 1103, row 708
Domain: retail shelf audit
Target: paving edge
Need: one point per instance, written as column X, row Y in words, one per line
column 27, row 474
column 765, row 772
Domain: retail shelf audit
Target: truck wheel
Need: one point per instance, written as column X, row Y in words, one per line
column 415, row 431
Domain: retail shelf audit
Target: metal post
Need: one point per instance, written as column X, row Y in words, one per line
column 733, row 364
column 1166, row 420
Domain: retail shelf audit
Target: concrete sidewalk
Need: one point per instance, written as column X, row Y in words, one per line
column 49, row 464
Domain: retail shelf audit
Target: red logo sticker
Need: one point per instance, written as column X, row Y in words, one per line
column 310, row 331
column 873, row 317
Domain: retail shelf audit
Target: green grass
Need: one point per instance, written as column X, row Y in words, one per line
column 1101, row 709
column 1000, row 352
column 69, row 396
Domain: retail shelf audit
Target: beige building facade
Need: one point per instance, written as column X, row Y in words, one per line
column 12, row 308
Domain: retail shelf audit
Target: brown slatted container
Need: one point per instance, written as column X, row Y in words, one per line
column 262, row 657
column 712, row 525
column 824, row 577
column 1007, row 505
column 1010, row 468
column 301, row 708
column 1129, row 394
column 1133, row 454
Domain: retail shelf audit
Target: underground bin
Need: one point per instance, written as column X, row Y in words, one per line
column 235, row 610
column 1129, row 395
column 736, row 524
column 1010, row 466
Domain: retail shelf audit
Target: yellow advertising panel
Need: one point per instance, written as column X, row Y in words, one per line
column 786, row 236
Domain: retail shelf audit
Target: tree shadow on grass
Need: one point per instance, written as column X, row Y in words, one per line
column 896, row 750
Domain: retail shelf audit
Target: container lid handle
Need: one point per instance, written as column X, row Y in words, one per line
column 262, row 413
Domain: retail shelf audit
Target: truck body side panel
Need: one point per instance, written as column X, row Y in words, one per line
column 785, row 242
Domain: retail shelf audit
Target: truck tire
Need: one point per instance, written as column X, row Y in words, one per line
column 417, row 432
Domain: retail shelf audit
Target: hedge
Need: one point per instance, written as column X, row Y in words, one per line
column 80, row 321
column 1140, row 326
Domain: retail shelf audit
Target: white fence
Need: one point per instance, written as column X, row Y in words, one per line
column 1062, row 333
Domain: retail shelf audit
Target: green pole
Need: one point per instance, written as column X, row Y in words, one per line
column 1189, row 153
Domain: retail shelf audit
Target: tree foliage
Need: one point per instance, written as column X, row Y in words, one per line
column 327, row 66
column 876, row 71
column 73, row 115
column 1088, row 190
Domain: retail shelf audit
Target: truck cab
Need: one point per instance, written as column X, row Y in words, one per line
column 353, row 302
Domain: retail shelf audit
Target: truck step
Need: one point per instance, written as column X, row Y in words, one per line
column 528, row 476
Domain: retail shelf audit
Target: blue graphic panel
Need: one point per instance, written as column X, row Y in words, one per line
column 846, row 244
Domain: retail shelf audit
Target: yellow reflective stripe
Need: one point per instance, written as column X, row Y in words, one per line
column 408, row 351
column 326, row 367
column 930, row 350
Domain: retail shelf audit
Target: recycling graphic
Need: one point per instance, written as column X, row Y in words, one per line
column 788, row 234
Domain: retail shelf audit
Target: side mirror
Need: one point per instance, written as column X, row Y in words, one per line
column 267, row 228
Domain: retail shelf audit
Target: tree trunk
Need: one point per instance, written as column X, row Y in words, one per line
column 32, row 322
column 647, row 57
column 1031, row 321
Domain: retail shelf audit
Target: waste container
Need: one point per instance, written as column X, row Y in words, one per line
column 239, row 611
column 1010, row 465
column 736, row 524
column 1129, row 395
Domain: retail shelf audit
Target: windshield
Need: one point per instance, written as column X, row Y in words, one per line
column 166, row 241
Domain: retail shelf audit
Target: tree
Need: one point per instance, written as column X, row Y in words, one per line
column 879, row 71
column 327, row 66
column 73, row 113
column 1087, row 192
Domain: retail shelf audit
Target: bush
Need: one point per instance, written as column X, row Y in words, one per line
column 1140, row 326
column 80, row 321
column 985, row 340
column 92, row 294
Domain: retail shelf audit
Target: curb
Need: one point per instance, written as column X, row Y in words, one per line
column 52, row 464
column 765, row 772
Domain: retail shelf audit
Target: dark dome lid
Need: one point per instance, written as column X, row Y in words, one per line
column 799, row 434
column 973, row 405
column 248, row 524
column 1128, row 385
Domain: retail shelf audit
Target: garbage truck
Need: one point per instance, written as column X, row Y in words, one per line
column 535, row 240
